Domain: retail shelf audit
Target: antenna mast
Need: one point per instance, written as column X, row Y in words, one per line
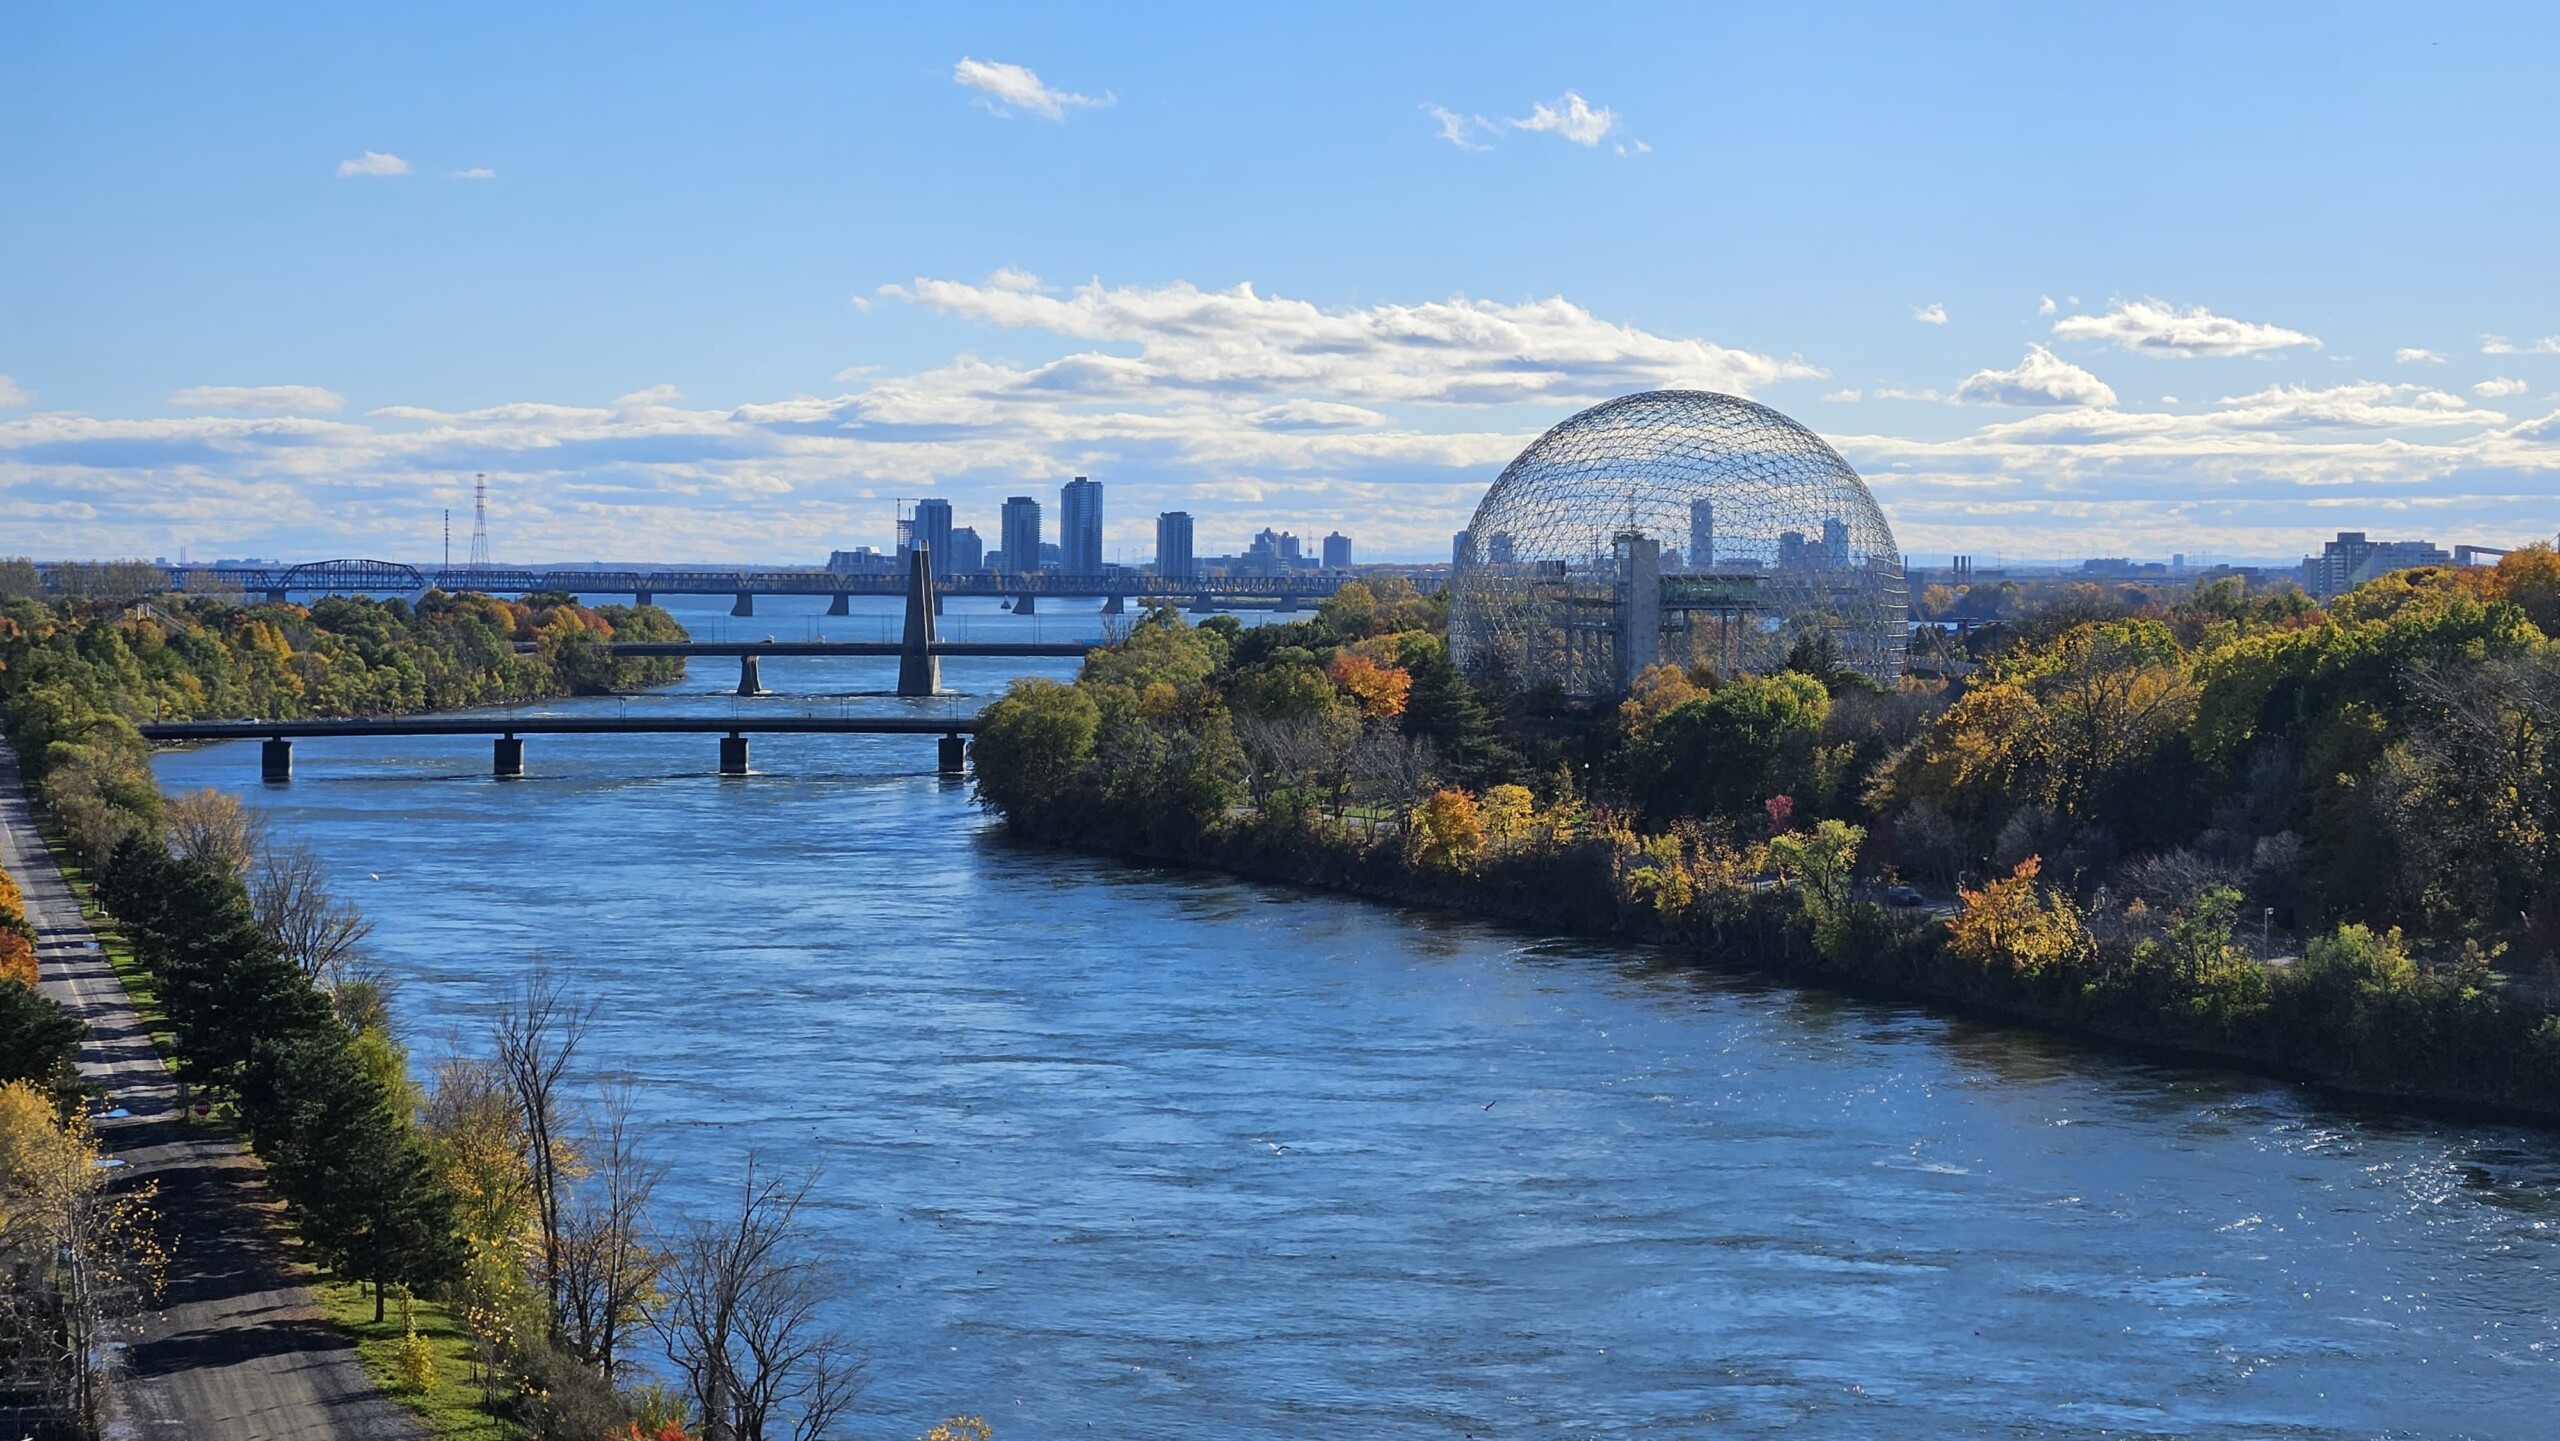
column 480, row 522
column 448, row 538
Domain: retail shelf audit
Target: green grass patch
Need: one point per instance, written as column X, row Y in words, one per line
column 453, row 1408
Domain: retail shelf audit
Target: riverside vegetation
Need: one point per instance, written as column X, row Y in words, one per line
column 516, row 1200
column 2133, row 803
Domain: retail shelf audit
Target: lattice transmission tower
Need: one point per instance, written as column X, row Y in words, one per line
column 480, row 522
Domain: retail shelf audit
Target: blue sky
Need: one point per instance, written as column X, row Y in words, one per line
column 688, row 285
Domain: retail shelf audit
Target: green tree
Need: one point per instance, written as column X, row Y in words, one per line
column 1726, row 753
column 1032, row 746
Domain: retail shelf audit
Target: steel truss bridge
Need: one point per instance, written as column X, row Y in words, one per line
column 386, row 578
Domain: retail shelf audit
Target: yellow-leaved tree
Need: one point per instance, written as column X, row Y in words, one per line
column 2018, row 927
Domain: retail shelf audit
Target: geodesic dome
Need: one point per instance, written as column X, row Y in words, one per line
column 1679, row 526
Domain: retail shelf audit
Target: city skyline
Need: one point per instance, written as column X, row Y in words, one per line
column 293, row 309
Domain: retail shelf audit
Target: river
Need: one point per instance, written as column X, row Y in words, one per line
column 1106, row 1150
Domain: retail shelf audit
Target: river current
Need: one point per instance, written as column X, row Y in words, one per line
column 1108, row 1150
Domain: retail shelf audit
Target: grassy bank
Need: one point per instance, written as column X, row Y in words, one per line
column 454, row 1405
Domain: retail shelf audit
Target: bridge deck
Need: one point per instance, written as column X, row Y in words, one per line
column 560, row 725
column 1063, row 649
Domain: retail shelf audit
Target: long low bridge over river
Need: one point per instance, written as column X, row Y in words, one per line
column 751, row 652
column 275, row 756
column 1286, row 591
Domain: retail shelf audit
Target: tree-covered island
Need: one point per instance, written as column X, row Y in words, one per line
column 2324, row 842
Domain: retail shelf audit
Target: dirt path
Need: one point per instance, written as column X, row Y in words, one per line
column 240, row 1351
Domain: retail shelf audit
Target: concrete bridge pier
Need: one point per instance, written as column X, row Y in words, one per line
column 506, row 757
column 276, row 596
column 1026, row 604
column 745, row 603
column 750, row 678
column 275, row 760
column 643, row 597
column 1116, row 605
column 841, row 605
column 1200, row 604
column 733, row 754
column 954, row 755
column 919, row 669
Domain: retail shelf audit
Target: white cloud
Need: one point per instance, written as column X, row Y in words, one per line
column 1458, row 129
column 11, row 395
column 2042, row 378
column 1906, row 392
column 373, row 162
column 1009, row 87
column 2413, row 355
column 2155, row 327
column 260, row 399
column 2500, row 345
column 1384, row 421
column 476, row 172
column 1571, row 117
column 1842, row 397
column 1933, row 313
column 2361, row 405
column 1226, row 343
column 2044, row 305
column 2500, row 387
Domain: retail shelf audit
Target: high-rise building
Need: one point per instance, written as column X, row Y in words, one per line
column 1702, row 535
column 2351, row 560
column 930, row 527
column 1835, row 543
column 1020, row 526
column 1337, row 551
column 968, row 553
column 1173, row 545
column 1080, row 527
column 1458, row 550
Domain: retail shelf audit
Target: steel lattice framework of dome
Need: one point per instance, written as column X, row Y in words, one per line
column 1680, row 526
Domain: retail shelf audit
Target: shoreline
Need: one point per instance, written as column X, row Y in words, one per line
column 1480, row 900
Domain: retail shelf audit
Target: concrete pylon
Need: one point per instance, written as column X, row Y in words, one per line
column 919, row 669
column 750, row 676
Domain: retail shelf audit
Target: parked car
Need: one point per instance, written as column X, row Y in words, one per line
column 1902, row 896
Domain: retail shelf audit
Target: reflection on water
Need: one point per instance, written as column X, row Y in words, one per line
column 1152, row 1153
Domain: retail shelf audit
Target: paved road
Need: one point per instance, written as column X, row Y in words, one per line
column 240, row 1351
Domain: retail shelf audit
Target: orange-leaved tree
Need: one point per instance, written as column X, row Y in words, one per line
column 1380, row 689
column 1448, row 829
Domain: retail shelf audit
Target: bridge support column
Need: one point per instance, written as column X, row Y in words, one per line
column 841, row 605
column 643, row 597
column 1026, row 604
column 506, row 756
column 733, row 755
column 275, row 597
column 750, row 677
column 954, row 755
column 745, row 604
column 1200, row 604
column 919, row 669
column 1116, row 605
column 275, row 760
